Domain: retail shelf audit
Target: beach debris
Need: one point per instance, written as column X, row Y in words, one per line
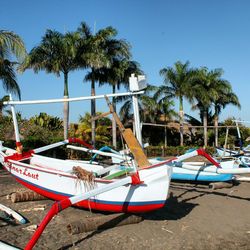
column 184, row 227
column 26, row 196
column 31, row 228
column 242, row 178
column 102, row 222
column 169, row 231
column 3, row 223
column 38, row 208
column 13, row 213
column 232, row 191
column 220, row 185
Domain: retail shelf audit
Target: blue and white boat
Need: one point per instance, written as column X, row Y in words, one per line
column 243, row 155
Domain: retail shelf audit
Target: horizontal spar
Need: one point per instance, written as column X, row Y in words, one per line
column 94, row 151
column 186, row 125
column 216, row 170
column 74, row 99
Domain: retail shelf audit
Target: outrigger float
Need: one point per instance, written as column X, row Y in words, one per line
column 136, row 184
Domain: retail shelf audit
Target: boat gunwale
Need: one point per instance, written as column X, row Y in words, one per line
column 65, row 174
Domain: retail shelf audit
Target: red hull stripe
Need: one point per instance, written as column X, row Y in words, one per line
column 95, row 204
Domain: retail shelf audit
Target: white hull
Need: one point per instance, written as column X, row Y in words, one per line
column 58, row 182
column 195, row 171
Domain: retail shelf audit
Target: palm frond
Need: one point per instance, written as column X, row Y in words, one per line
column 8, row 77
column 12, row 42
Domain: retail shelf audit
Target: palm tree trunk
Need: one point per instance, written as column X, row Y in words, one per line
column 216, row 122
column 113, row 120
column 66, row 107
column 205, row 126
column 165, row 130
column 181, row 114
column 93, row 111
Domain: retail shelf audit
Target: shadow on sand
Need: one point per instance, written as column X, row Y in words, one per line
column 172, row 210
column 176, row 207
column 202, row 190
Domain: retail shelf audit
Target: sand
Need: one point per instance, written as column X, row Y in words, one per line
column 194, row 217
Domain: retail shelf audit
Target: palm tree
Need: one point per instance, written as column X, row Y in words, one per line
column 102, row 129
column 177, row 84
column 166, row 109
column 226, row 97
column 118, row 74
column 10, row 45
column 47, row 121
column 3, row 99
column 152, row 109
column 55, row 54
column 209, row 88
column 150, row 106
column 99, row 50
column 146, row 100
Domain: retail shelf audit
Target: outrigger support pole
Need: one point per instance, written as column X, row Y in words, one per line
column 136, row 83
column 74, row 99
column 239, row 136
column 63, row 204
column 19, row 146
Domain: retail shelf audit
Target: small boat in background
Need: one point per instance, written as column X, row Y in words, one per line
column 183, row 171
column 243, row 155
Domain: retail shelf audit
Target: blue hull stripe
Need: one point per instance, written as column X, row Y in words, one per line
column 198, row 177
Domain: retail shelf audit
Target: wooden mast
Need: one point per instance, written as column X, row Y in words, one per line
column 130, row 139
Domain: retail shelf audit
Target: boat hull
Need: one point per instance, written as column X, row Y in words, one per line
column 151, row 194
column 183, row 174
column 192, row 175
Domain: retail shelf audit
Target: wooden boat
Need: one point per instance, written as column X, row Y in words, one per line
column 243, row 156
column 182, row 171
column 57, row 179
column 142, row 187
column 221, row 152
column 146, row 188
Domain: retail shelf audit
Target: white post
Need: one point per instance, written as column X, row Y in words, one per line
column 17, row 136
column 238, row 131
column 136, row 84
column 137, row 119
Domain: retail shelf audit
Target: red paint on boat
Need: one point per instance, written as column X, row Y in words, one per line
column 91, row 204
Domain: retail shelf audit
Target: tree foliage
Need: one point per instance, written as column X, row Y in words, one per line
column 11, row 46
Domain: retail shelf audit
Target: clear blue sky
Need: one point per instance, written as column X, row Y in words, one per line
column 213, row 33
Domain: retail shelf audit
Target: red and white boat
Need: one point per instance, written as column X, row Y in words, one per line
column 146, row 190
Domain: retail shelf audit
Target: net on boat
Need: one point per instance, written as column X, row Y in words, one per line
column 87, row 177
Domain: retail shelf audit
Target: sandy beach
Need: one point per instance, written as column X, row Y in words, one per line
column 194, row 217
